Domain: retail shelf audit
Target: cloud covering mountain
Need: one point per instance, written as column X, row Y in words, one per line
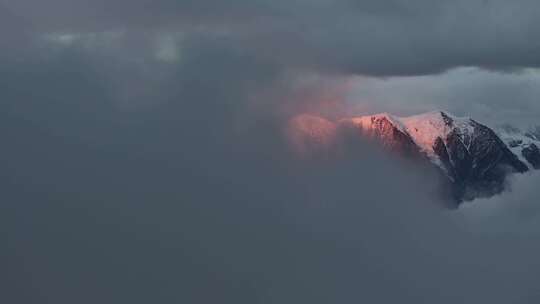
column 143, row 157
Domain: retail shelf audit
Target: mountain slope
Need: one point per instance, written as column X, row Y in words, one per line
column 475, row 159
column 386, row 129
column 524, row 145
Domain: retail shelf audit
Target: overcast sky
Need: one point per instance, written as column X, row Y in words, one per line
column 143, row 158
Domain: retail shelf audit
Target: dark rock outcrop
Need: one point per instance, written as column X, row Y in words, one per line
column 532, row 155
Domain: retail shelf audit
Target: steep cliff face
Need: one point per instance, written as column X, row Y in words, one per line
column 475, row 159
column 386, row 130
column 472, row 156
column 479, row 162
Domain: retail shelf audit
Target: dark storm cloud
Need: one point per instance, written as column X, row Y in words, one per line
column 363, row 37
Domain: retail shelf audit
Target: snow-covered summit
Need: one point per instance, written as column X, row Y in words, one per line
column 372, row 121
column 475, row 159
column 470, row 154
column 424, row 129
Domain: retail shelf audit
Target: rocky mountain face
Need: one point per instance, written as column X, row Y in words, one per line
column 523, row 144
column 475, row 159
column 386, row 130
column 532, row 155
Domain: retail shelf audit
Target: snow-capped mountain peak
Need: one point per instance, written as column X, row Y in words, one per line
column 427, row 128
column 474, row 158
column 424, row 129
column 373, row 121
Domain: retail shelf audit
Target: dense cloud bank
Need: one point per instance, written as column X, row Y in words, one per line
column 144, row 160
column 197, row 198
column 363, row 37
column 514, row 212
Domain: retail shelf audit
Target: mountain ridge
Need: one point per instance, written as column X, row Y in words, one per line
column 475, row 158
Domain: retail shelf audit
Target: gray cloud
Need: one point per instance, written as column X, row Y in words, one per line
column 197, row 198
column 132, row 177
column 512, row 214
column 360, row 37
column 489, row 97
